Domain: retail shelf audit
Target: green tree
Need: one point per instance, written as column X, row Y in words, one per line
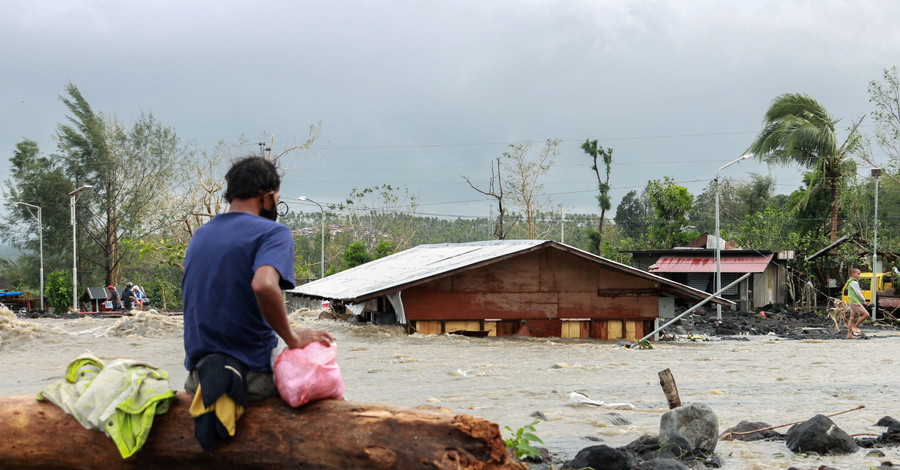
column 385, row 248
column 670, row 203
column 633, row 214
column 596, row 151
column 737, row 201
column 38, row 180
column 58, row 290
column 799, row 130
column 126, row 167
column 164, row 294
column 356, row 254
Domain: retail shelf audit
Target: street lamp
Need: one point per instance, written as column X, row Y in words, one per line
column 40, row 241
column 322, row 259
column 718, row 236
column 72, row 197
column 876, row 172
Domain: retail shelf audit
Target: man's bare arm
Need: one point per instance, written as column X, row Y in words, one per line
column 271, row 304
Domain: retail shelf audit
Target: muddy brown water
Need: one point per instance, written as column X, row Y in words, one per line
column 511, row 380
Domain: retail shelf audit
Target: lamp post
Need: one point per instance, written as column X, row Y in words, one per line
column 718, row 236
column 876, row 172
column 40, row 242
column 322, row 258
column 72, row 197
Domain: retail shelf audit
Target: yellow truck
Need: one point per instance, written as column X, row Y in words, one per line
column 887, row 286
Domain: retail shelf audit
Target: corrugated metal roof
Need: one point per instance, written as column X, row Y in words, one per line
column 414, row 265
column 408, row 266
column 693, row 264
column 838, row 242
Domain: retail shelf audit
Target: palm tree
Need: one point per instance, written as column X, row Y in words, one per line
column 799, row 130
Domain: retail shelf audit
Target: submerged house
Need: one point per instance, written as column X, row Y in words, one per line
column 505, row 287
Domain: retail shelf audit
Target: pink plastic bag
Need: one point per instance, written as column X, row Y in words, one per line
column 308, row 374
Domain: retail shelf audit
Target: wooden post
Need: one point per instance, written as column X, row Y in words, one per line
column 329, row 434
column 667, row 382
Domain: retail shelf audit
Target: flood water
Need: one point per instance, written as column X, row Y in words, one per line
column 511, row 380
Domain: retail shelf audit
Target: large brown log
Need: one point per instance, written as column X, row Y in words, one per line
column 329, row 434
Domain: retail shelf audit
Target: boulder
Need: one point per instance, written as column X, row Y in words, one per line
column 887, row 422
column 604, row 457
column 819, row 434
column 645, row 447
column 663, row 464
column 696, row 422
column 648, row 447
column 676, row 447
column 748, row 426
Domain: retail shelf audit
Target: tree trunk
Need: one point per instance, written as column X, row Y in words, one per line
column 328, row 434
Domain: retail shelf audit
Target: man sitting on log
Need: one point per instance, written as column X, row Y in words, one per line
column 234, row 271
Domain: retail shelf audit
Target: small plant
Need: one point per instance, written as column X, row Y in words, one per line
column 521, row 440
column 643, row 344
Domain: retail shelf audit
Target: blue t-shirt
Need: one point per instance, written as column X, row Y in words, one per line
column 221, row 314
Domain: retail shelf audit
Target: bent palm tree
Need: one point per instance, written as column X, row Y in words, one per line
column 799, row 130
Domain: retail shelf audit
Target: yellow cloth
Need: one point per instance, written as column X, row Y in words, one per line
column 120, row 398
column 227, row 410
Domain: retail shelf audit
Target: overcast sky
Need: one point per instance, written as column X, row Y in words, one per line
column 417, row 93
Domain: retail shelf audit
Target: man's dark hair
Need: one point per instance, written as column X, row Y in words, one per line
column 249, row 177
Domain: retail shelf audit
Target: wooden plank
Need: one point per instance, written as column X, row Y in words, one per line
column 518, row 274
column 544, row 328
column 328, row 434
column 584, row 329
column 630, row 327
column 491, row 328
column 614, row 329
column 600, row 329
column 507, row 328
column 428, row 327
column 589, row 305
column 576, row 329
column 451, row 326
column 569, row 329
column 422, row 305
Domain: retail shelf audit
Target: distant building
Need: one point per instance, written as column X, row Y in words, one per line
column 695, row 265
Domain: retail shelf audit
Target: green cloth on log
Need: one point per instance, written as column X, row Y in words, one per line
column 120, row 398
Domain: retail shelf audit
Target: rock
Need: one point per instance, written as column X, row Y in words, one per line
column 662, row 464
column 649, row 447
column 819, row 434
column 616, row 419
column 676, row 447
column 715, row 461
column 887, row 422
column 747, row 426
column 604, row 457
column 645, row 447
column 696, row 422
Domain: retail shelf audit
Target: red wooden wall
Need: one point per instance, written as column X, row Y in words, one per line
column 547, row 284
